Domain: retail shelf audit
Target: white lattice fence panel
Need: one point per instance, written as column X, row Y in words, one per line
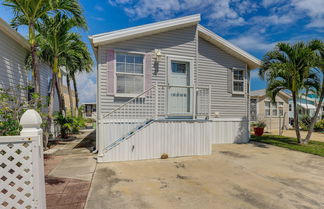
column 16, row 173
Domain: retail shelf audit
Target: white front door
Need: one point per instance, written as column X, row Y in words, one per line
column 179, row 98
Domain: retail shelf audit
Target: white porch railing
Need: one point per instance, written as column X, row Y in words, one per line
column 22, row 166
column 150, row 105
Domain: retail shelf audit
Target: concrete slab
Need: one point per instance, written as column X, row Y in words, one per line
column 81, row 168
column 234, row 176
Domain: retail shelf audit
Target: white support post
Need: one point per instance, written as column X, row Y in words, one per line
column 31, row 122
column 209, row 101
column 100, row 136
column 156, row 100
column 194, row 102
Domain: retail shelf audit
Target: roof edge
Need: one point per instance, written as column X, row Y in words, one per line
column 211, row 36
column 133, row 32
column 6, row 28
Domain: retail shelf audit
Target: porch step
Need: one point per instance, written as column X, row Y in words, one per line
column 129, row 134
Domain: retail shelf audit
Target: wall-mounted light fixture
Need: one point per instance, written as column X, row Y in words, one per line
column 157, row 55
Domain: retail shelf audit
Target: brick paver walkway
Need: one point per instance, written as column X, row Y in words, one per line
column 65, row 193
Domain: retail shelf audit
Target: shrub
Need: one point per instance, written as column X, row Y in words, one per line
column 13, row 103
column 305, row 122
column 319, row 125
column 69, row 124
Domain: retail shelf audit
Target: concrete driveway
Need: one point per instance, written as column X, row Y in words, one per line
column 234, row 176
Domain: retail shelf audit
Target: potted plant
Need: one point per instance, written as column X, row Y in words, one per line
column 259, row 128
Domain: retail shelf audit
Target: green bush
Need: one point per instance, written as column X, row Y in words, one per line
column 69, row 124
column 304, row 123
column 319, row 125
column 13, row 104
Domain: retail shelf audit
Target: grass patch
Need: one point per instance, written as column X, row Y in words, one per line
column 313, row 147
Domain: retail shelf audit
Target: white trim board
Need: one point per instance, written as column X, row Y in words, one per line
column 5, row 27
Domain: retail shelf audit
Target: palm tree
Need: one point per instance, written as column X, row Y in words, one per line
column 289, row 67
column 54, row 40
column 29, row 12
column 318, row 46
column 77, row 59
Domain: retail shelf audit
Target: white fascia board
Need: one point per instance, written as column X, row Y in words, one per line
column 143, row 30
column 5, row 27
column 210, row 36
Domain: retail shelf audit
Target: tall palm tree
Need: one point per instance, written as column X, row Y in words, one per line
column 29, row 12
column 76, row 59
column 289, row 67
column 318, row 46
column 54, row 40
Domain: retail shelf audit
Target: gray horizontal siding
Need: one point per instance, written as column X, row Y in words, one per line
column 12, row 62
column 180, row 42
column 213, row 64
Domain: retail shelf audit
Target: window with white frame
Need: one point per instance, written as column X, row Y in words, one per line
column 280, row 107
column 273, row 109
column 129, row 73
column 238, row 81
column 267, row 108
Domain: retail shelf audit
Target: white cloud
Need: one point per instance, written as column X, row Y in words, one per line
column 252, row 43
column 216, row 10
column 314, row 9
column 86, row 83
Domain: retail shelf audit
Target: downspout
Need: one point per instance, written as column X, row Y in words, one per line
column 97, row 106
column 248, row 99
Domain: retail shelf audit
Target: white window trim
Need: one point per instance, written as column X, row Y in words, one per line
column 233, row 80
column 127, row 95
column 271, row 108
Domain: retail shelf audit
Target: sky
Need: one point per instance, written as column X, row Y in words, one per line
column 255, row 26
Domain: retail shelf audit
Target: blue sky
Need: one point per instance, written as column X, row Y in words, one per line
column 255, row 26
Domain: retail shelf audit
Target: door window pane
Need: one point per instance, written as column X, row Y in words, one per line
column 179, row 67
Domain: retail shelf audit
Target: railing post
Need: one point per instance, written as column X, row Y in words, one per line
column 31, row 123
column 156, row 100
column 209, row 101
column 194, row 102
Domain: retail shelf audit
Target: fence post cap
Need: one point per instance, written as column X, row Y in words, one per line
column 31, row 119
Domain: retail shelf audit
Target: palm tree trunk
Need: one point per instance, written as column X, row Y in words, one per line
column 318, row 108
column 51, row 106
column 34, row 63
column 70, row 94
column 60, row 95
column 296, row 120
column 76, row 94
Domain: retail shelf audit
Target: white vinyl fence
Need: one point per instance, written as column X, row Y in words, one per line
column 22, row 166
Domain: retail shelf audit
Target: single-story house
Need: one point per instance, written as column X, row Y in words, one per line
column 274, row 114
column 89, row 110
column 306, row 107
column 171, row 87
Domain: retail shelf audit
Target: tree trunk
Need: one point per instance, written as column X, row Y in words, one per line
column 51, row 107
column 34, row 63
column 76, row 94
column 318, row 108
column 296, row 120
column 60, row 95
column 70, row 94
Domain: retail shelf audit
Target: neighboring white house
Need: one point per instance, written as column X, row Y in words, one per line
column 170, row 87
column 13, row 51
column 90, row 110
column 306, row 106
